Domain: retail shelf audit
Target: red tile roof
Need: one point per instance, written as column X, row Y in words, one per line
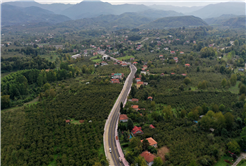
column 151, row 126
column 136, row 129
column 160, row 55
column 123, row 117
column 151, row 141
column 138, row 78
column 134, row 62
column 172, row 73
column 134, row 106
column 183, row 74
column 150, row 97
column 133, row 99
column 115, row 81
column 187, row 64
column 148, row 156
column 139, row 82
column 81, row 121
column 67, row 121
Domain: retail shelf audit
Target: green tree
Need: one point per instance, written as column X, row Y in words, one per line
column 233, row 79
column 187, row 80
column 140, row 161
column 168, row 113
column 206, row 122
column 183, row 113
column 46, row 86
column 233, row 147
column 145, row 144
column 222, row 108
column 223, row 83
column 130, row 124
column 242, row 97
column 5, row 101
column 219, row 120
column 158, row 161
column 242, row 89
column 229, row 119
column 193, row 163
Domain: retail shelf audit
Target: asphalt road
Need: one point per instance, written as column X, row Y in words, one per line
column 110, row 138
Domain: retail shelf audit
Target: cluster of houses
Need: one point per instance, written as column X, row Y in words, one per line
column 139, row 82
column 115, row 77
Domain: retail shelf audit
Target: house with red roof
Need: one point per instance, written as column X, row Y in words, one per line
column 184, row 75
column 136, row 130
column 133, row 100
column 139, row 83
column 176, row 59
column 123, row 118
column 68, row 121
column 172, row 52
column 124, row 64
column 131, row 59
column 134, row 63
column 151, row 141
column 181, row 52
column 162, row 74
column 115, row 81
column 151, row 126
column 149, row 157
column 150, row 98
column 135, row 107
column 172, row 73
column 103, row 63
column 187, row 65
column 138, row 79
column 160, row 56
column 145, row 66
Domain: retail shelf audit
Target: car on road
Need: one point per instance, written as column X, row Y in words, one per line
column 120, row 159
column 110, row 150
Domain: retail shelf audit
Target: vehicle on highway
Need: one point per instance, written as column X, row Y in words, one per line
column 110, row 150
column 120, row 159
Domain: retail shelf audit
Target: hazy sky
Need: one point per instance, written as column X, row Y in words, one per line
column 145, row 2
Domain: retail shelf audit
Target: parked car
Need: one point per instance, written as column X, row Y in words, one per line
column 110, row 150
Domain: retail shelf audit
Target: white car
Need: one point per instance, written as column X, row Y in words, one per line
column 110, row 150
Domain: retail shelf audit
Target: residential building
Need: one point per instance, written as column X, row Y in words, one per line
column 176, row 59
column 138, row 79
column 123, row 118
column 76, row 56
column 181, row 52
column 115, row 81
column 150, row 98
column 151, row 126
column 160, row 56
column 162, row 74
column 117, row 75
column 136, row 130
column 134, row 63
column 103, row 63
column 124, row 64
column 145, row 66
column 151, row 141
column 135, row 107
column 133, row 100
column 143, row 72
column 187, row 65
column 139, row 84
column 149, row 157
column 172, row 52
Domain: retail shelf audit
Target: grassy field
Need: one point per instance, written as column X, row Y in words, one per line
column 73, row 121
column 96, row 59
column 125, row 58
column 34, row 101
column 52, row 54
column 221, row 162
column 234, row 89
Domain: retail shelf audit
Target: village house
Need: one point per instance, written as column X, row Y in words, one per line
column 138, row 79
column 166, row 49
column 160, row 56
column 172, row 52
column 181, row 52
column 187, row 65
column 150, row 98
column 105, row 57
column 136, row 130
column 176, row 59
column 134, row 63
column 103, row 63
column 131, row 59
column 68, row 121
column 143, row 72
column 76, row 56
column 151, row 126
column 172, row 73
column 184, row 75
column 123, row 118
column 124, row 64
column 162, row 74
column 117, row 75
column 135, row 107
column 75, row 50
column 149, row 157
column 139, row 84
column 115, row 81
column 115, row 63
column 145, row 83
column 97, row 64
column 151, row 141
column 133, row 100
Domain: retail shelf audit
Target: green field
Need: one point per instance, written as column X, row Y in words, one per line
column 234, row 89
column 96, row 59
column 221, row 162
column 125, row 57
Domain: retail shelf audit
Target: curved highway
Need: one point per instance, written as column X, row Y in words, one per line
column 110, row 126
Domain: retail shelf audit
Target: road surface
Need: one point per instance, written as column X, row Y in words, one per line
column 109, row 133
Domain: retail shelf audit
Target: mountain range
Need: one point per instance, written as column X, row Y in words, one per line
column 12, row 15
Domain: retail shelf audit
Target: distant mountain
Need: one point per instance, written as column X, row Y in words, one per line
column 88, row 9
column 12, row 15
column 183, row 9
column 126, row 20
column 231, row 21
column 55, row 7
column 155, row 14
column 216, row 10
column 173, row 22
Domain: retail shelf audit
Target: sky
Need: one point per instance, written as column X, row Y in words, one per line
column 145, row 2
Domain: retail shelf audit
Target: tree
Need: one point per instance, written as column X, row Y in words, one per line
column 130, row 124
column 223, row 83
column 157, row 161
column 206, row 122
column 197, row 69
column 168, row 113
column 135, row 142
column 229, row 119
column 222, row 108
column 233, row 147
column 242, row 97
column 193, row 163
column 219, row 120
column 140, row 161
column 145, row 144
column 5, row 101
column 242, row 89
column 187, row 80
column 46, row 86
column 183, row 113
column 233, row 79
